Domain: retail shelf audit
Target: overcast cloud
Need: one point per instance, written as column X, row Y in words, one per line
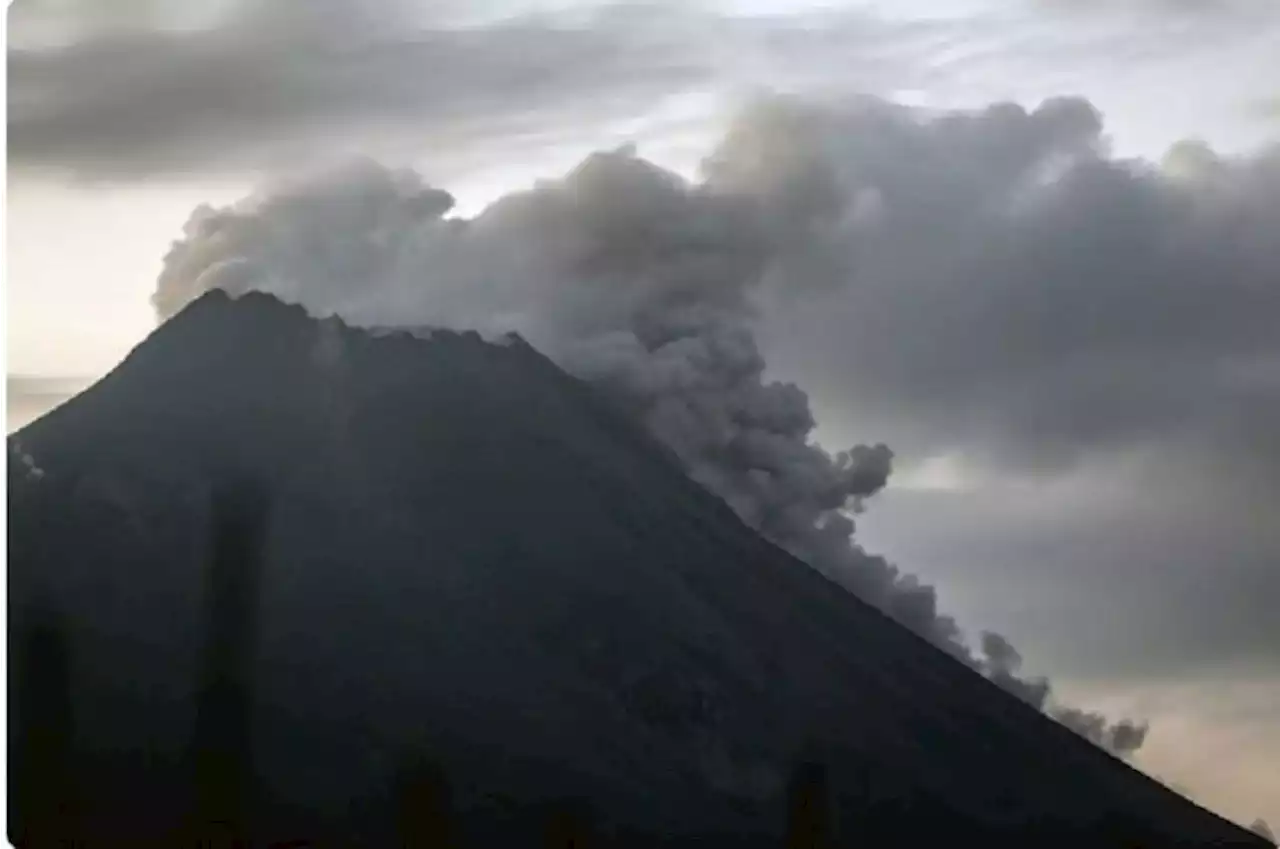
column 151, row 90
column 252, row 88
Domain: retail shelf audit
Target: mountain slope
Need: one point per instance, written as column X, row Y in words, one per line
column 469, row 554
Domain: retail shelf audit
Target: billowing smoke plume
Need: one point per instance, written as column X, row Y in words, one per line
column 648, row 287
column 1001, row 663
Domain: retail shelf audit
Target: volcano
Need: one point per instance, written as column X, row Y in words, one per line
column 465, row 558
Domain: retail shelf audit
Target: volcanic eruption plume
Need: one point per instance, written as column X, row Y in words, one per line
column 649, row 286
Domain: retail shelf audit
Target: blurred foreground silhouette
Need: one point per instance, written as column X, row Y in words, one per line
column 222, row 746
column 45, row 796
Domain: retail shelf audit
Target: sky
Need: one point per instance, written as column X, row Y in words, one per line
column 1082, row 388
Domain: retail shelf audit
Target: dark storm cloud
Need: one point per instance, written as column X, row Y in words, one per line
column 265, row 82
column 1018, row 294
column 258, row 83
column 265, row 85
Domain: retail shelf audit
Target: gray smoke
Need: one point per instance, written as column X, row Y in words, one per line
column 649, row 287
column 1001, row 662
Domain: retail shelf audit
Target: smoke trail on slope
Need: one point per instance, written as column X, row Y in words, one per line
column 644, row 285
column 1001, row 663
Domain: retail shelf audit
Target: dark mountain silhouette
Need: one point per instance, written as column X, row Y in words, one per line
column 454, row 576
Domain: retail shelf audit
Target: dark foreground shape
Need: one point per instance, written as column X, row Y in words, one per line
column 810, row 821
column 424, row 815
column 43, row 795
column 222, row 745
column 482, row 610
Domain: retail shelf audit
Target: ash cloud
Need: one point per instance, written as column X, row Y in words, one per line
column 1028, row 301
column 655, row 290
column 1002, row 663
column 1042, row 303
